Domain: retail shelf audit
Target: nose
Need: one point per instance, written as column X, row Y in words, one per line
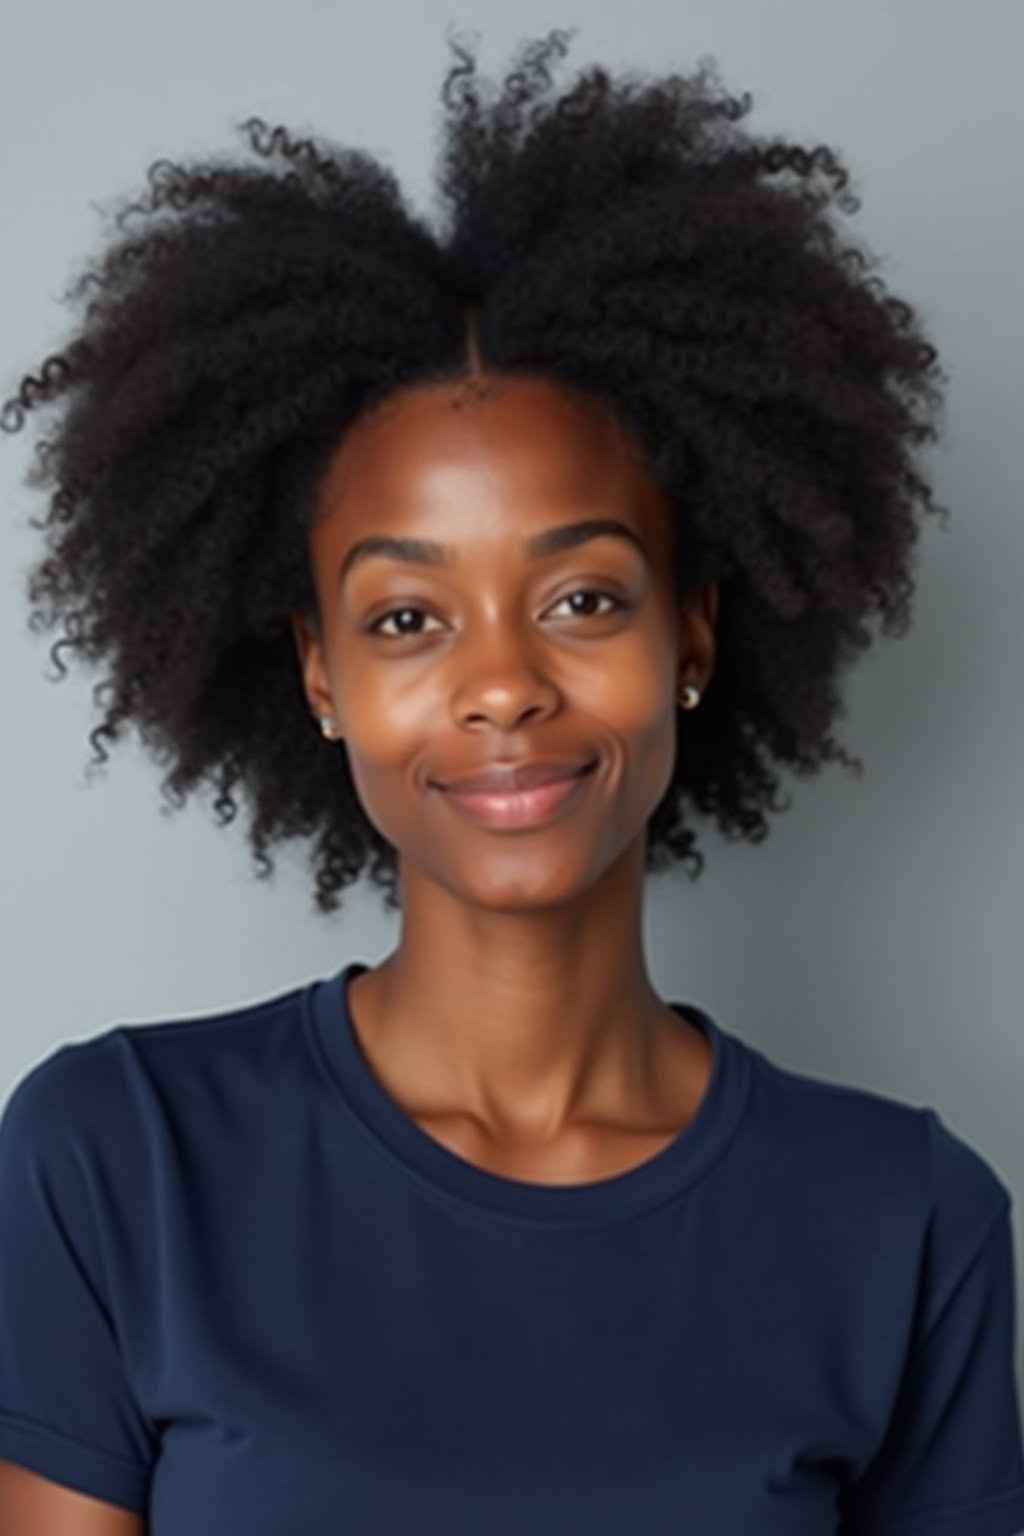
column 502, row 684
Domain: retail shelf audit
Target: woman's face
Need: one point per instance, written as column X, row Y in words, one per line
column 498, row 647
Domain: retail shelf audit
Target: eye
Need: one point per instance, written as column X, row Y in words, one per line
column 375, row 627
column 590, row 592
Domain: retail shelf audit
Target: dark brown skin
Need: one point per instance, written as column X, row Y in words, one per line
column 515, row 1021
column 31, row 1505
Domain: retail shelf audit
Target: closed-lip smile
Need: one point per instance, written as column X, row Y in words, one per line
column 507, row 778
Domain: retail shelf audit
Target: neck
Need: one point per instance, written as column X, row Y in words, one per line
column 529, row 1020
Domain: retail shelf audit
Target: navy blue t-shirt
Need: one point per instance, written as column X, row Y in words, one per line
column 243, row 1292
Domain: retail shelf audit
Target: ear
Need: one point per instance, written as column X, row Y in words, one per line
column 312, row 666
column 697, row 622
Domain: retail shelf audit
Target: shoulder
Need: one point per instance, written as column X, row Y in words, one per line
column 866, row 1151
column 100, row 1090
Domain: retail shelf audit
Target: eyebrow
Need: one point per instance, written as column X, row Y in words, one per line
column 550, row 541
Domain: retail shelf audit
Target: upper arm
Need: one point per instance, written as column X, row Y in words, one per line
column 69, row 1410
column 31, row 1505
column 952, row 1458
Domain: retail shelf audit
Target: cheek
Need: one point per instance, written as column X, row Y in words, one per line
column 635, row 699
column 385, row 715
column 652, row 743
column 384, row 743
column 637, row 705
column 626, row 712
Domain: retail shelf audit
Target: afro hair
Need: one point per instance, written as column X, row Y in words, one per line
column 628, row 237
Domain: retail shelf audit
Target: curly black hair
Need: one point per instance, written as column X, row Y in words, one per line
column 626, row 238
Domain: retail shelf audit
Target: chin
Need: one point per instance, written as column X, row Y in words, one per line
column 521, row 881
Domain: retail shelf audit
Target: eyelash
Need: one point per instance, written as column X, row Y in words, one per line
column 374, row 628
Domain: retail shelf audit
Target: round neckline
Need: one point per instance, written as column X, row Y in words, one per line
column 667, row 1172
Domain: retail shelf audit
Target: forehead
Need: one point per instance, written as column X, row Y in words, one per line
column 490, row 439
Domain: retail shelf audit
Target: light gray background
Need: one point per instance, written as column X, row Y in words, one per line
column 876, row 937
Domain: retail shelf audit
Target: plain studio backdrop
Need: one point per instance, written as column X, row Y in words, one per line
column 876, row 937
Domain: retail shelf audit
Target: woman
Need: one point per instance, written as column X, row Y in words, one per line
column 479, row 557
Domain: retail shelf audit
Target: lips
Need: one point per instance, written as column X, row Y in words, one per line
column 506, row 778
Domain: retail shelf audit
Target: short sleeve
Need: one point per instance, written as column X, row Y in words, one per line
column 952, row 1462
column 66, row 1410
